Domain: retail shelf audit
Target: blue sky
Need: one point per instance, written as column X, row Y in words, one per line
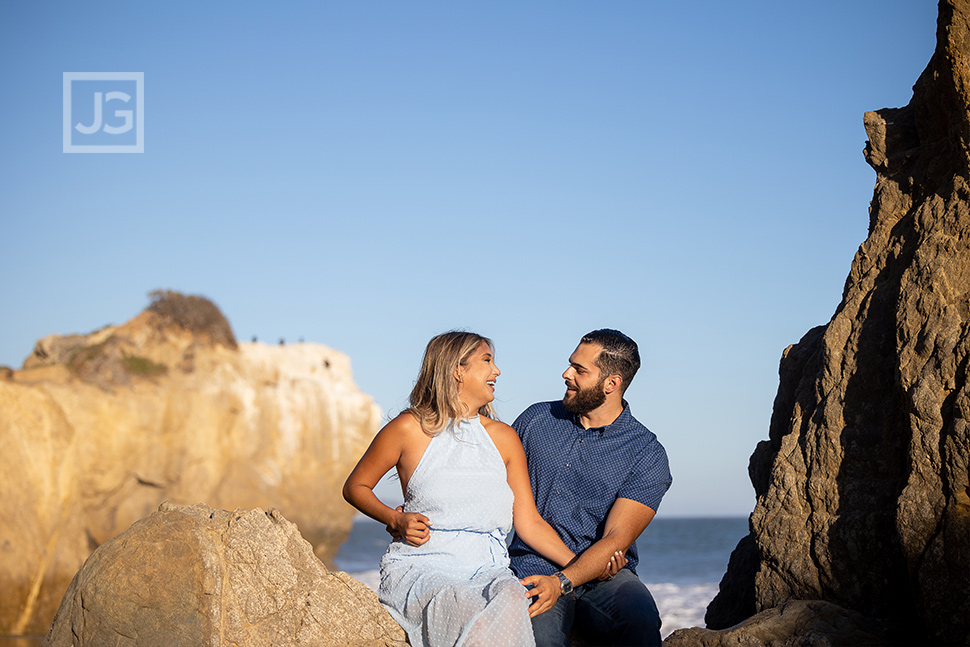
column 366, row 175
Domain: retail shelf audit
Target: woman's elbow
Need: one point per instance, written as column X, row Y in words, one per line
column 526, row 526
column 348, row 492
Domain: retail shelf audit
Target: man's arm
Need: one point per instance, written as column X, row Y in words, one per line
column 626, row 520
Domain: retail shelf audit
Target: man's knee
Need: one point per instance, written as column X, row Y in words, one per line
column 633, row 597
column 619, row 612
column 637, row 613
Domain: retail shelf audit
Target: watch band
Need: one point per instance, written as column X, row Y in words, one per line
column 565, row 586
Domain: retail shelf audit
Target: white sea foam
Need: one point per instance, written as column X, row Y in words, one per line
column 372, row 579
column 681, row 605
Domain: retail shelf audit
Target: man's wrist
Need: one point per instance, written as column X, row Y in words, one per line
column 565, row 584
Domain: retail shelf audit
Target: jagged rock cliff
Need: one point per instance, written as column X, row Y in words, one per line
column 863, row 486
column 98, row 430
column 191, row 575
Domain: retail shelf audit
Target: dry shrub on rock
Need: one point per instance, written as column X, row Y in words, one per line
column 194, row 313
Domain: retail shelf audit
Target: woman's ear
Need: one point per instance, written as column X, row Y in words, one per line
column 458, row 380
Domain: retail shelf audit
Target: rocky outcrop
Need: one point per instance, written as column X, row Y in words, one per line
column 863, row 488
column 198, row 576
column 98, row 430
column 799, row 623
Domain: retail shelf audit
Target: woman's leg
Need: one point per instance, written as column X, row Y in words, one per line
column 504, row 622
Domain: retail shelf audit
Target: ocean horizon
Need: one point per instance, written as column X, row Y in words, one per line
column 682, row 560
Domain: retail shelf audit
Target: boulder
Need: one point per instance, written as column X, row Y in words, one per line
column 97, row 430
column 192, row 575
column 797, row 623
column 863, row 487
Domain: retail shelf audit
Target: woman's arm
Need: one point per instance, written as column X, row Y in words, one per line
column 385, row 452
column 529, row 525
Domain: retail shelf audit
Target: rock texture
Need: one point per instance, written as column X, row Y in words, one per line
column 799, row 623
column 98, row 430
column 198, row 576
column 864, row 484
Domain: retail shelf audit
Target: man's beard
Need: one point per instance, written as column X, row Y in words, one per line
column 585, row 400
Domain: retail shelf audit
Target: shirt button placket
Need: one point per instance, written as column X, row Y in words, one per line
column 563, row 475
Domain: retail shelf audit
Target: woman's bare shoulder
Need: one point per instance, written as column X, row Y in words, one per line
column 495, row 426
column 405, row 423
column 502, row 434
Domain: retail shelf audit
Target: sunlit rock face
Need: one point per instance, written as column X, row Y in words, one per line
column 98, row 430
column 863, row 495
column 191, row 575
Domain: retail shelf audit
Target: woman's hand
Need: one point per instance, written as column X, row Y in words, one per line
column 395, row 535
column 411, row 527
column 545, row 589
column 615, row 565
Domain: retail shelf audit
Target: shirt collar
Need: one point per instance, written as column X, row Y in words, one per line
column 620, row 422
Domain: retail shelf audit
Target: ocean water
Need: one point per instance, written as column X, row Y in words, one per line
column 681, row 562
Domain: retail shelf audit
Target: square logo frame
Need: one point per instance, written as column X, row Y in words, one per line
column 138, row 112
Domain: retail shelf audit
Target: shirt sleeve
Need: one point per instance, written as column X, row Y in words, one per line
column 522, row 423
column 649, row 479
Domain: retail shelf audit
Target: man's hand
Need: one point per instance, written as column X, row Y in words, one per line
column 615, row 565
column 545, row 589
column 411, row 527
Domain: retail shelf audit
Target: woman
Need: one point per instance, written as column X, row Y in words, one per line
column 464, row 479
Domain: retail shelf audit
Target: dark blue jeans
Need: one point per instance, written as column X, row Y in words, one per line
column 616, row 612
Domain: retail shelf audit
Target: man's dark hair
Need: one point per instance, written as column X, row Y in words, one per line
column 619, row 356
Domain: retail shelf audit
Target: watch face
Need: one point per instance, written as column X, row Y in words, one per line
column 565, row 586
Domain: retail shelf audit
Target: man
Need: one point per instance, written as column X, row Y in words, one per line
column 598, row 477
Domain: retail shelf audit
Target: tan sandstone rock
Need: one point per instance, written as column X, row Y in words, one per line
column 98, row 430
column 191, row 575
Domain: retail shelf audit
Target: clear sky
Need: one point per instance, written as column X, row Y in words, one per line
column 368, row 174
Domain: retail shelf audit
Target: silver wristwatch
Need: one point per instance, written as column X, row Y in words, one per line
column 565, row 586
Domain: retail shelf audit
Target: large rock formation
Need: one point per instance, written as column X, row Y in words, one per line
column 863, row 486
column 198, row 576
column 98, row 430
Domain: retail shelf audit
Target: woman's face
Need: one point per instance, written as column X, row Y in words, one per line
column 477, row 378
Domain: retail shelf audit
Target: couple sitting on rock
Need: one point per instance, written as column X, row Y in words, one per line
column 597, row 476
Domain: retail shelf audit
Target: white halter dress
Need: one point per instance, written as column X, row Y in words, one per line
column 457, row 588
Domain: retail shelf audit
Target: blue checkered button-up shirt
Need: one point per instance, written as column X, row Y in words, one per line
column 578, row 473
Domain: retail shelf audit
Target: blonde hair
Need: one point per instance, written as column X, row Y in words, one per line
column 434, row 398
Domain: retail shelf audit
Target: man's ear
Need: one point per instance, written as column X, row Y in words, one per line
column 613, row 383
